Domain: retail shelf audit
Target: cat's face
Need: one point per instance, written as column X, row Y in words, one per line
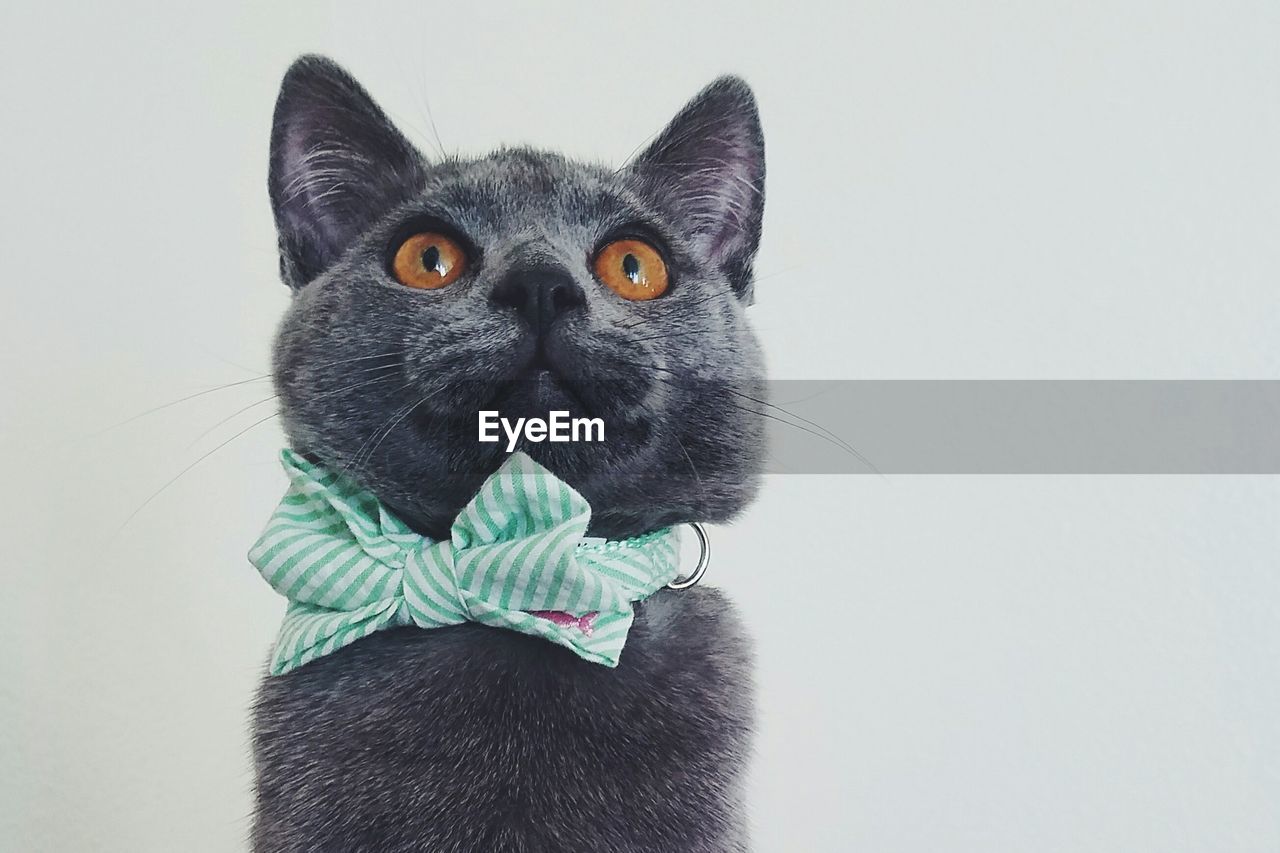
column 385, row 380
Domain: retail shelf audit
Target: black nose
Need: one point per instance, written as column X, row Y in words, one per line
column 540, row 294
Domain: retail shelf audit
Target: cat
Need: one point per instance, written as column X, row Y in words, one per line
column 471, row 738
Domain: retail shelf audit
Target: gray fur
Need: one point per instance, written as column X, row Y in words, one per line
column 475, row 739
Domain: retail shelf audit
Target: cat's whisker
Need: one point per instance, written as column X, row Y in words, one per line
column 184, row 471
column 397, row 419
column 385, row 371
column 423, row 84
column 431, row 120
column 382, row 372
column 196, row 395
column 326, row 365
column 172, row 403
column 391, row 427
column 417, row 129
column 671, row 335
column 823, row 432
column 329, row 393
column 357, row 459
column 231, row 417
column 819, row 430
column 668, row 336
column 776, row 273
column 811, row 423
column 380, row 369
column 838, row 444
column 694, row 468
column 626, row 163
column 639, row 321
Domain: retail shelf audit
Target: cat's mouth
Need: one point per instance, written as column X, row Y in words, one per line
column 536, row 385
column 540, row 362
column 539, row 388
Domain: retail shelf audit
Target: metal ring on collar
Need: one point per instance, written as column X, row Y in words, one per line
column 704, row 560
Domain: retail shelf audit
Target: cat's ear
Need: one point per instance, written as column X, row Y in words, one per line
column 337, row 164
column 707, row 170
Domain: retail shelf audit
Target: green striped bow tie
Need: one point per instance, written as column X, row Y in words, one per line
column 516, row 558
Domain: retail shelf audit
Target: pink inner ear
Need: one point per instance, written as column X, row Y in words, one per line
column 584, row 623
column 708, row 166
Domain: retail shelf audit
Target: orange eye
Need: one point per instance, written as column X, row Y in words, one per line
column 428, row 261
column 632, row 269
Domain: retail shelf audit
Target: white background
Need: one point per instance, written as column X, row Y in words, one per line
column 982, row 190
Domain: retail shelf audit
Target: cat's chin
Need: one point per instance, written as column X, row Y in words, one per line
column 536, row 392
column 583, row 466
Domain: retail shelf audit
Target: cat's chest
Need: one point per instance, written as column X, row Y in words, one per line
column 471, row 731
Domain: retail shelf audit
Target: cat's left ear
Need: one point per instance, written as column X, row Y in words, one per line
column 707, row 170
column 337, row 164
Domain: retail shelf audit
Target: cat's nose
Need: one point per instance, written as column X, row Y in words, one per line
column 540, row 294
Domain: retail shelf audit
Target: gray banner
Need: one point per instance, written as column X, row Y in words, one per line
column 1023, row 427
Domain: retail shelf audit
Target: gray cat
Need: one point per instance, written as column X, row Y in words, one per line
column 472, row 738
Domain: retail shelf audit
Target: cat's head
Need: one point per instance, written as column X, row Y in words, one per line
column 522, row 282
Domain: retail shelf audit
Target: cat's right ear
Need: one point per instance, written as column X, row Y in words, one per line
column 337, row 164
column 707, row 170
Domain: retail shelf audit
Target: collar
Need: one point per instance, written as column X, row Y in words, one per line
column 517, row 558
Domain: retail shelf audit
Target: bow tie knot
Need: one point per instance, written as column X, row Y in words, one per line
column 517, row 558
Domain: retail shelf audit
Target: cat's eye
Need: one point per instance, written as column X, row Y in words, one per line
column 632, row 269
column 428, row 261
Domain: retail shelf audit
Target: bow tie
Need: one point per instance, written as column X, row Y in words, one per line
column 516, row 558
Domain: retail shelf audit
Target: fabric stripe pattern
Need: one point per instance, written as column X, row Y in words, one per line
column 517, row 558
